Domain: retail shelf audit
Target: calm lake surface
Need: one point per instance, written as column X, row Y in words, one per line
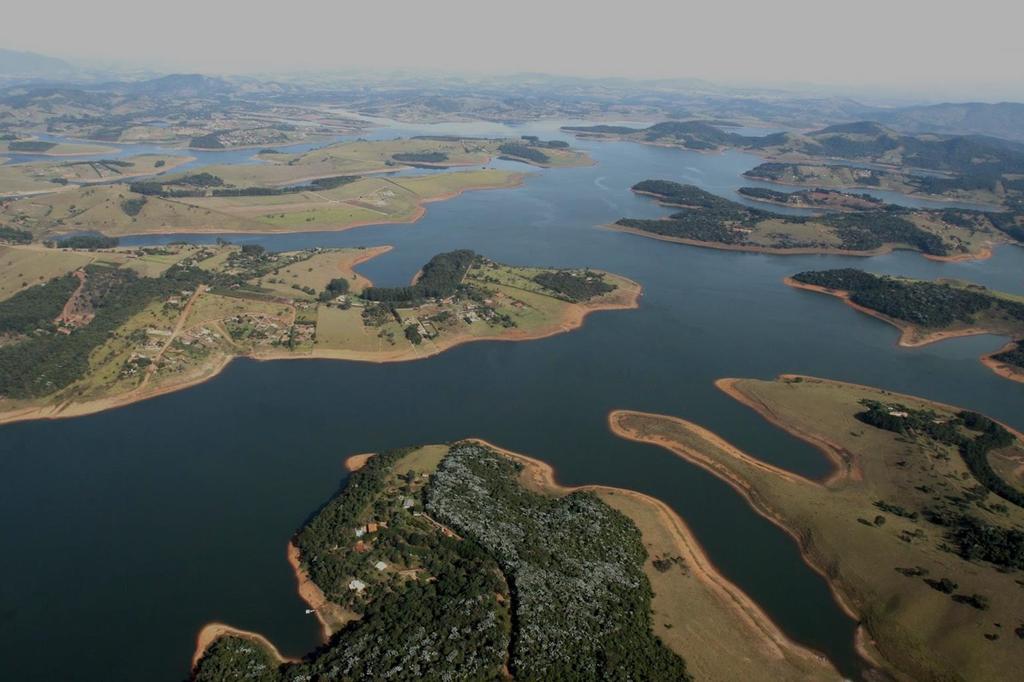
column 128, row 530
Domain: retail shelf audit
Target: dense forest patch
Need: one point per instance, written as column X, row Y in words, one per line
column 926, row 304
column 581, row 599
column 578, row 609
column 575, row 286
column 440, row 277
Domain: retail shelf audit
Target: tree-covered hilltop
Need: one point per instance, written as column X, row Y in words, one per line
column 529, row 585
column 925, row 304
column 523, row 151
column 706, row 217
column 581, row 600
column 440, row 277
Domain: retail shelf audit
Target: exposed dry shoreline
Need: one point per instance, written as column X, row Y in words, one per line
column 574, row 318
column 1003, row 369
column 357, row 462
column 745, row 490
column 213, row 631
column 850, row 470
column 330, row 615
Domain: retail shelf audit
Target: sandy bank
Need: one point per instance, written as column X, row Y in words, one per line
column 740, row 485
column 213, row 631
column 332, row 617
column 357, row 462
column 1003, row 369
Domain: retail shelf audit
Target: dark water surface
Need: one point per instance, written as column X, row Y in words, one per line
column 126, row 531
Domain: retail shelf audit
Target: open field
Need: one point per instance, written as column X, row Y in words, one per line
column 29, row 264
column 52, row 176
column 107, row 208
column 865, row 528
column 101, row 208
column 24, row 266
column 366, row 201
column 317, row 271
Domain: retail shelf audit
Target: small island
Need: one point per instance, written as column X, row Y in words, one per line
column 917, row 530
column 86, row 325
column 467, row 561
column 706, row 219
column 927, row 312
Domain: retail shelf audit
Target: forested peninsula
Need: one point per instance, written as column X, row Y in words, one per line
column 926, row 312
column 465, row 561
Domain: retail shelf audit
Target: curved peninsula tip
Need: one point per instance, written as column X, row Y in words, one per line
column 928, row 312
column 915, row 528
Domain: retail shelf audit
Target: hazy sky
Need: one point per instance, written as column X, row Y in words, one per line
column 971, row 47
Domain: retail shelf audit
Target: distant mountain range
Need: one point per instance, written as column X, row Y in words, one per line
column 176, row 85
column 527, row 96
column 29, row 65
column 1005, row 119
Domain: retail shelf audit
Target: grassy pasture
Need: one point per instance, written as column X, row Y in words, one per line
column 316, row 272
column 919, row 630
column 27, row 266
